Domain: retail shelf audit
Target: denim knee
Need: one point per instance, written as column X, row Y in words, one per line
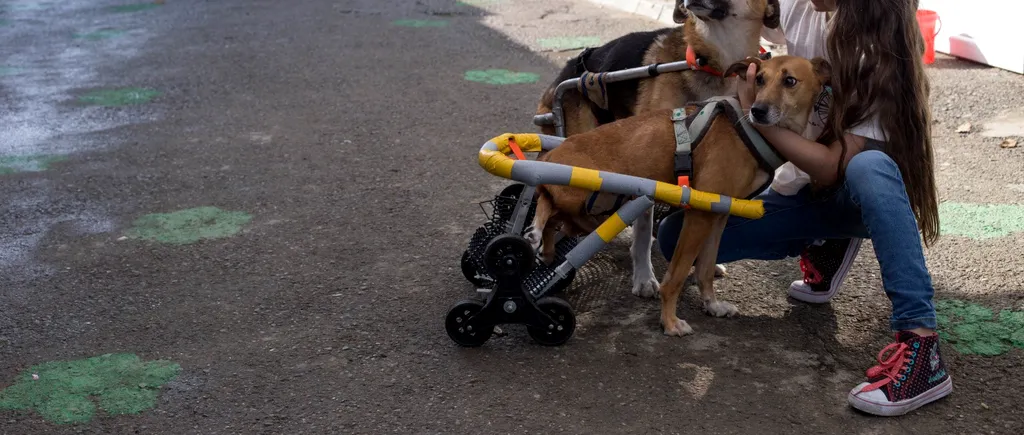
column 870, row 173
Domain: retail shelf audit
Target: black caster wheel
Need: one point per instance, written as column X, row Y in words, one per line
column 509, row 256
column 461, row 330
column 470, row 272
column 507, row 205
column 554, row 335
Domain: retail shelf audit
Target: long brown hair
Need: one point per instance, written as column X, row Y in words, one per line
column 875, row 48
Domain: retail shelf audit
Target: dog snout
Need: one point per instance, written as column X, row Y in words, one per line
column 759, row 112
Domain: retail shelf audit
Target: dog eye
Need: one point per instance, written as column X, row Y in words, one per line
column 789, row 82
column 759, row 80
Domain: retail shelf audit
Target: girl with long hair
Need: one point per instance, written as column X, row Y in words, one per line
column 869, row 175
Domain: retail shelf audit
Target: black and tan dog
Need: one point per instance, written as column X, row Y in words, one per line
column 714, row 34
column 719, row 32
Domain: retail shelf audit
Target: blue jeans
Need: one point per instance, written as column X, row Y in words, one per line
column 872, row 203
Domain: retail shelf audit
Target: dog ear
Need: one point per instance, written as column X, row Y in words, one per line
column 771, row 14
column 740, row 68
column 680, row 14
column 823, row 70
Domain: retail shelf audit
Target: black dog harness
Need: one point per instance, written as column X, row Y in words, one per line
column 691, row 128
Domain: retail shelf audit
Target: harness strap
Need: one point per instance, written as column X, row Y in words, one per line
column 684, row 147
column 689, row 136
column 764, row 152
column 594, row 87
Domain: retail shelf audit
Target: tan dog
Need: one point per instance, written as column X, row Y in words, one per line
column 720, row 32
column 644, row 146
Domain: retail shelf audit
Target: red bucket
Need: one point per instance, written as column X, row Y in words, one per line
column 927, row 19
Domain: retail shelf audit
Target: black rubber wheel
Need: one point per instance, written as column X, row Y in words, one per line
column 553, row 335
column 513, row 190
column 461, row 331
column 506, row 207
column 470, row 272
column 509, row 255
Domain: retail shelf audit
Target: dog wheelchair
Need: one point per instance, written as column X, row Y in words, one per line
column 515, row 285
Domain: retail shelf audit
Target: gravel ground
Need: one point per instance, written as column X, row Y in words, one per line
column 345, row 145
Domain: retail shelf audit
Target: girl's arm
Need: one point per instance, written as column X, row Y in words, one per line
column 819, row 161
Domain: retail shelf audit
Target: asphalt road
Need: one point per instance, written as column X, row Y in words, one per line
column 338, row 148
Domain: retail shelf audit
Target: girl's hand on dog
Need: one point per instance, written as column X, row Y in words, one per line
column 746, row 90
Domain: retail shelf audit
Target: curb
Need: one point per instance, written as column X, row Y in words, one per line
column 661, row 11
column 658, row 10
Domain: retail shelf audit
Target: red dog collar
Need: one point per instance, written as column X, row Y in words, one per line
column 701, row 64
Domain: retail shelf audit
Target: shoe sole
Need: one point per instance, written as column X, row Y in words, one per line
column 802, row 292
column 899, row 408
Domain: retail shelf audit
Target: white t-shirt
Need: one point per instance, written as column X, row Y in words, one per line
column 804, row 32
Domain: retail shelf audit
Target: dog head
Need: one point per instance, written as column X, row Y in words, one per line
column 717, row 10
column 787, row 89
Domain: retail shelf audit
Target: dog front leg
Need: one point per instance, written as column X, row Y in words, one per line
column 696, row 227
column 706, row 269
column 645, row 284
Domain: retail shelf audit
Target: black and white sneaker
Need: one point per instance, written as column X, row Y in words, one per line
column 825, row 267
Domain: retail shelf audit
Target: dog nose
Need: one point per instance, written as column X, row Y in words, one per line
column 759, row 112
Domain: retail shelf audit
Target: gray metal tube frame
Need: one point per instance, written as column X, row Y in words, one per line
column 593, row 243
column 557, row 115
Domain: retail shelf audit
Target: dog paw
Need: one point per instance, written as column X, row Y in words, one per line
column 645, row 287
column 677, row 327
column 720, row 270
column 720, row 309
column 534, row 237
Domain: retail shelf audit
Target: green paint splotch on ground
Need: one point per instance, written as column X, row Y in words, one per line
column 189, row 226
column 974, row 330
column 119, row 97
column 64, row 392
column 100, row 34
column 569, row 42
column 36, row 163
column 9, row 70
column 29, row 6
column 136, row 7
column 501, row 77
column 981, row 221
column 420, row 23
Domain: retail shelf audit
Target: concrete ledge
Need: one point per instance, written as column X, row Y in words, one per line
column 658, row 10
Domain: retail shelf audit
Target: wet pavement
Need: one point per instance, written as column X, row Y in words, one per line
column 247, row 216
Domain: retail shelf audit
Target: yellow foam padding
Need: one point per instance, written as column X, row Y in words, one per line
column 497, row 163
column 746, row 208
column 528, row 142
column 702, row 200
column 585, row 179
column 668, row 193
column 673, row 194
column 610, row 228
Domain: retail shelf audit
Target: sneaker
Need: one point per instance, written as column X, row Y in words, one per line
column 825, row 267
column 910, row 375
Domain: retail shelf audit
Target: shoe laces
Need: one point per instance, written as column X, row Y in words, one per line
column 811, row 274
column 895, row 362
